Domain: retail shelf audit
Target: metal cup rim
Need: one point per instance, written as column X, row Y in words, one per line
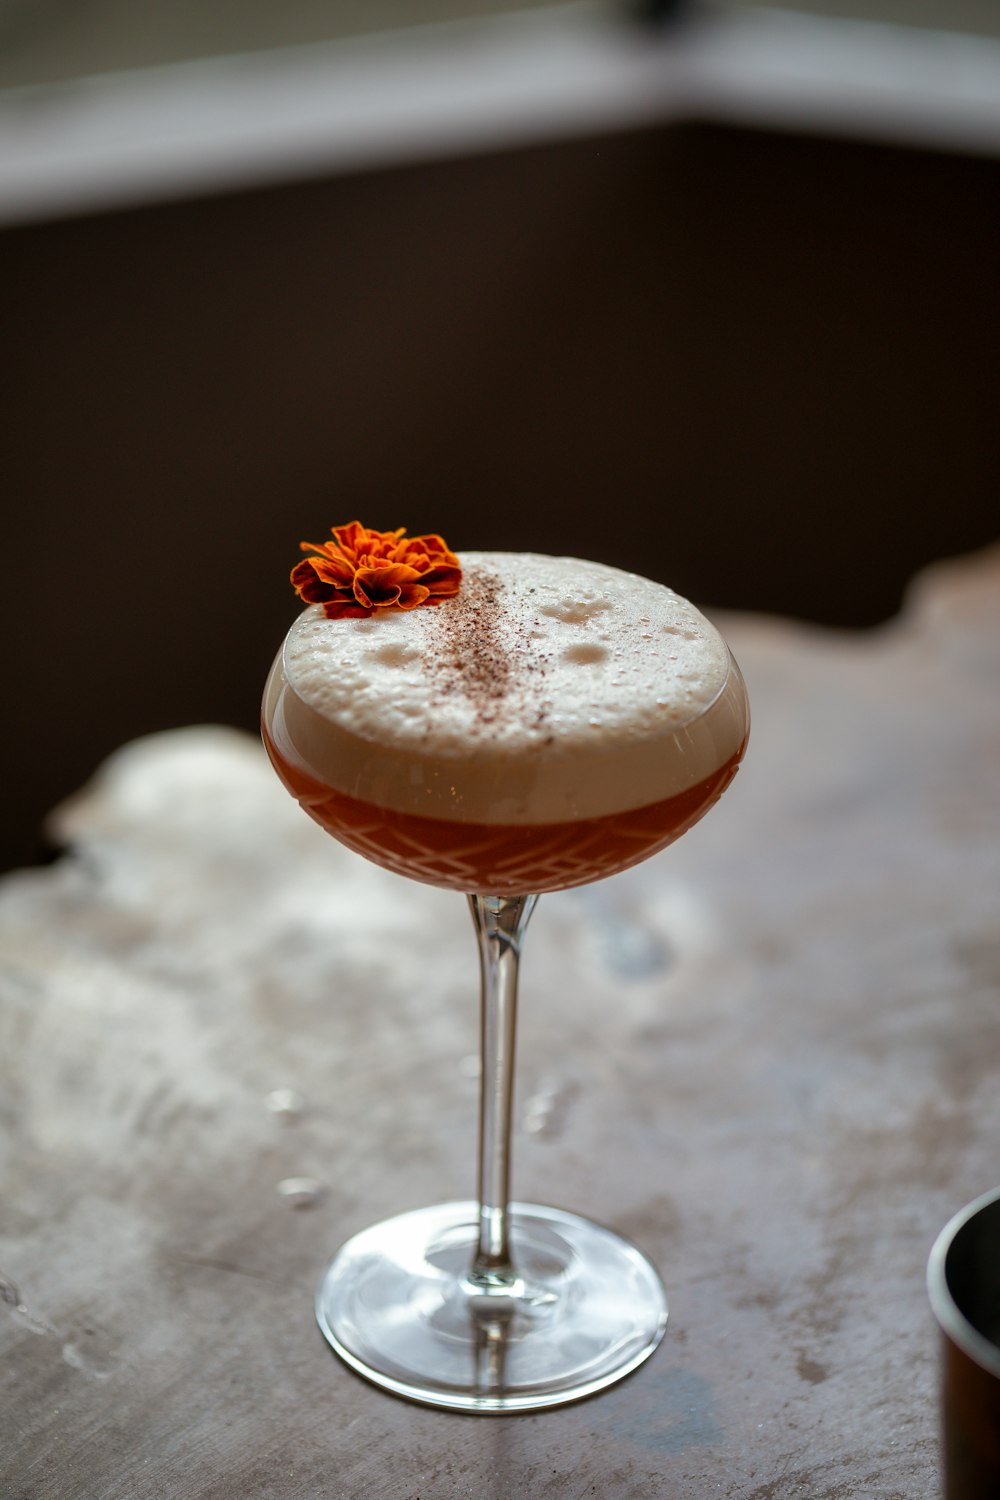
column 950, row 1319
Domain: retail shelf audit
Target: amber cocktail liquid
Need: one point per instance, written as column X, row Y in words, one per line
column 491, row 857
column 554, row 723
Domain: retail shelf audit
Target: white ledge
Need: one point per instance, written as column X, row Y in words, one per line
column 448, row 91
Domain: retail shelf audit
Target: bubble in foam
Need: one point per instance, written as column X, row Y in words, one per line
column 393, row 655
column 576, row 611
column 585, row 654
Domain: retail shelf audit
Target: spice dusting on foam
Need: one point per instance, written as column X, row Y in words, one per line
column 486, row 650
column 465, row 654
column 546, row 689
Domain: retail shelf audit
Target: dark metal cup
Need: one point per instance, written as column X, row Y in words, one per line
column 963, row 1279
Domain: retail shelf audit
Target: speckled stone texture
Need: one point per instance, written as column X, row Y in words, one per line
column 770, row 1055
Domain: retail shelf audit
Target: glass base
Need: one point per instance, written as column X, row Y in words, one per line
column 397, row 1304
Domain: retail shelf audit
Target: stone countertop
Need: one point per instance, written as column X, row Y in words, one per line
column 770, row 1056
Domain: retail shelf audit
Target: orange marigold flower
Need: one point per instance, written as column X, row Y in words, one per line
column 362, row 571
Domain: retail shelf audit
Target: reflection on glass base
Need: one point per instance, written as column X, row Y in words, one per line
column 397, row 1304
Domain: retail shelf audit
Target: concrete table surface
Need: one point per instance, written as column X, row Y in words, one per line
column 771, row 1056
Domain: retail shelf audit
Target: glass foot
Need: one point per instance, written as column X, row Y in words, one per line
column 397, row 1304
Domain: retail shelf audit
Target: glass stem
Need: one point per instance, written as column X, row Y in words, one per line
column 500, row 922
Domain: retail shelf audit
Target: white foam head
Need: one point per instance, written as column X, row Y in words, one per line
column 548, row 689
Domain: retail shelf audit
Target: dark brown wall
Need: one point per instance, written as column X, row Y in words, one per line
column 758, row 367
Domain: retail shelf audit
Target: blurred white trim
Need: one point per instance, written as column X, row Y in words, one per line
column 447, row 91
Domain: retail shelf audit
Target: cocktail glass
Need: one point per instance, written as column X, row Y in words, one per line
column 493, row 1306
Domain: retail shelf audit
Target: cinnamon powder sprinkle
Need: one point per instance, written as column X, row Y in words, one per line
column 472, row 655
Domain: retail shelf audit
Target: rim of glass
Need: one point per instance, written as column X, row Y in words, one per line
column 953, row 1322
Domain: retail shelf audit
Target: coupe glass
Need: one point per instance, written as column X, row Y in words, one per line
column 492, row 1306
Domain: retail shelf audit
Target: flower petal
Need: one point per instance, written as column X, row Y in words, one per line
column 345, row 609
column 334, row 570
column 357, row 541
column 380, row 585
column 412, row 594
column 443, row 581
column 307, row 583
